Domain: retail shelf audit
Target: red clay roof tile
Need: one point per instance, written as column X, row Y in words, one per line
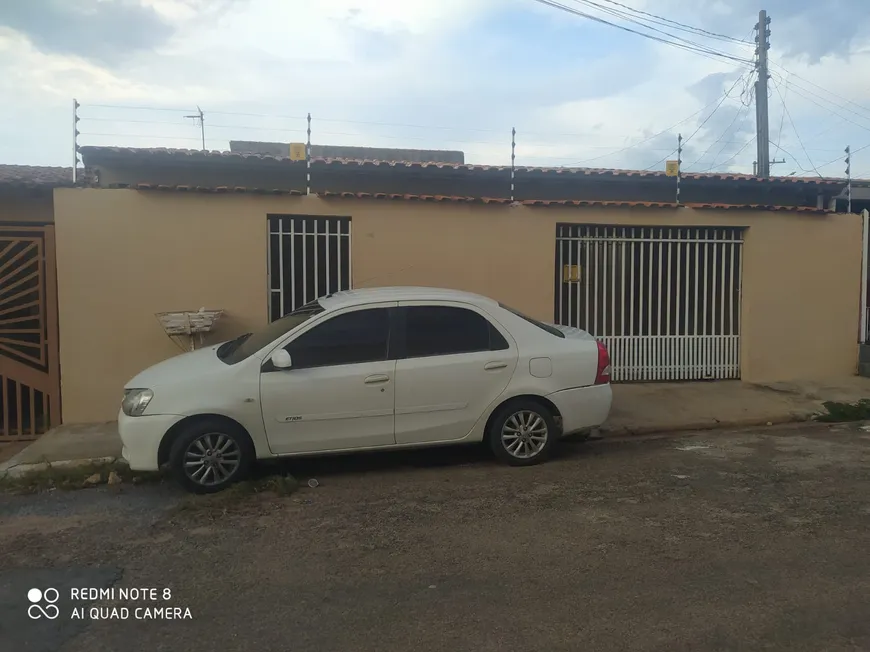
column 761, row 207
column 430, row 198
column 189, row 154
column 35, row 176
column 206, row 189
column 583, row 202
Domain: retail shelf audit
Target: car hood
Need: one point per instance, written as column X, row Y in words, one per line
column 181, row 368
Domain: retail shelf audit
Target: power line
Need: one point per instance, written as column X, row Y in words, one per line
column 840, row 158
column 797, row 91
column 682, row 26
column 646, row 140
column 795, row 86
column 803, row 169
column 631, row 19
column 781, row 120
column 821, row 88
column 736, row 154
column 788, row 113
column 696, row 49
column 737, row 115
column 701, row 126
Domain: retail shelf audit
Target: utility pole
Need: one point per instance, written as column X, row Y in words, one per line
column 199, row 117
column 762, row 39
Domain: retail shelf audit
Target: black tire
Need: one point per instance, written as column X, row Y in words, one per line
column 511, row 412
column 219, row 444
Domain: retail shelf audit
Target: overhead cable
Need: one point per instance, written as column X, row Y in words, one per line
column 827, row 91
column 701, row 50
column 737, row 115
column 648, row 139
column 736, row 154
column 640, row 21
column 701, row 126
column 797, row 90
column 794, row 128
column 681, row 26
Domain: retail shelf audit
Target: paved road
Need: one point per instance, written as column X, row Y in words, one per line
column 726, row 541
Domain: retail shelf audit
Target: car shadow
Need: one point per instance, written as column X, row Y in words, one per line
column 360, row 463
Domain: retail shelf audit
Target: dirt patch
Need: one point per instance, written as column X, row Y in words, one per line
column 653, row 545
column 45, row 525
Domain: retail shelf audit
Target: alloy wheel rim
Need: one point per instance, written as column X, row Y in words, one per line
column 524, row 434
column 212, row 459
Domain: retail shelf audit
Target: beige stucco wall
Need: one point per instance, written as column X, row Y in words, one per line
column 29, row 207
column 124, row 255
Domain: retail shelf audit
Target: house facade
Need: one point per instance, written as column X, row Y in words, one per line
column 30, row 400
column 759, row 281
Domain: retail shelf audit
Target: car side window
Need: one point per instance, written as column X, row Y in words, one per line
column 350, row 338
column 447, row 330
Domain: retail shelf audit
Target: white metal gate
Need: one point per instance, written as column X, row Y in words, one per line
column 309, row 257
column 664, row 300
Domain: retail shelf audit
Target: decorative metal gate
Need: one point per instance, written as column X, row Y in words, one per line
column 309, row 257
column 664, row 300
column 29, row 371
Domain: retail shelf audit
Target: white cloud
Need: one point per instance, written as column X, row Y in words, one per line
column 352, row 63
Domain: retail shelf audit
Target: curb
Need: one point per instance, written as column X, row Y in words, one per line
column 18, row 470
column 601, row 434
column 625, row 431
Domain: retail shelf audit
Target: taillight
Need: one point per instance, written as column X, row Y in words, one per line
column 602, row 376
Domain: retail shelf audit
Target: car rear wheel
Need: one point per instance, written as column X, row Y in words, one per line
column 523, row 433
column 210, row 455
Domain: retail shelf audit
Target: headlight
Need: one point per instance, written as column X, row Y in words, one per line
column 135, row 401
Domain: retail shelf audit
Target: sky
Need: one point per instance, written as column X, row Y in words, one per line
column 436, row 74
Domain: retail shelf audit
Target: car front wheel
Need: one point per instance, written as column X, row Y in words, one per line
column 523, row 433
column 210, row 455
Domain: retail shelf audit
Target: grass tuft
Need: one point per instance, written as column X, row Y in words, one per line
column 836, row 412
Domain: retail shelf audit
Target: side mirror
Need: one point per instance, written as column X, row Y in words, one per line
column 281, row 359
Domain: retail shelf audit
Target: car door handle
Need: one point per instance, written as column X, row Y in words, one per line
column 377, row 378
column 490, row 366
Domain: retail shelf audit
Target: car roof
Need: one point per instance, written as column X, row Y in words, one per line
column 376, row 295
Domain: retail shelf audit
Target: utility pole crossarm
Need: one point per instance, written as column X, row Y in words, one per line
column 199, row 118
column 762, row 39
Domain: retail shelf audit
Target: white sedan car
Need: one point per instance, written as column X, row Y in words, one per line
column 365, row 370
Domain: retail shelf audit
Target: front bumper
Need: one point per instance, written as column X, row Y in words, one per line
column 141, row 437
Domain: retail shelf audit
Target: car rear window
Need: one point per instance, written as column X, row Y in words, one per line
column 448, row 330
column 552, row 330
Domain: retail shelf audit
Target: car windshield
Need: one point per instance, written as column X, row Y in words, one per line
column 552, row 330
column 248, row 344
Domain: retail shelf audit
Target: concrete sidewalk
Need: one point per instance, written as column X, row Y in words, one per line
column 637, row 409
column 661, row 407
